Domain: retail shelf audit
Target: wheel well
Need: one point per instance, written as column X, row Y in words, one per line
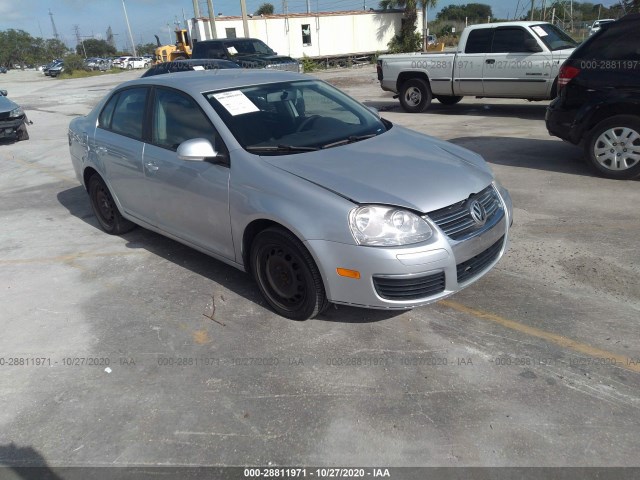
column 404, row 76
column 87, row 174
column 610, row 111
column 250, row 233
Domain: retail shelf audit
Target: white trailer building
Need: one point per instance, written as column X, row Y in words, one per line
column 316, row 35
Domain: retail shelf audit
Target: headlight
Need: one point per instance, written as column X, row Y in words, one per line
column 376, row 225
column 16, row 112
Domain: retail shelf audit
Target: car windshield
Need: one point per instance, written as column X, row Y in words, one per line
column 553, row 37
column 248, row 47
column 291, row 117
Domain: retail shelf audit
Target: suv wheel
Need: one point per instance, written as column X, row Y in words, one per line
column 613, row 147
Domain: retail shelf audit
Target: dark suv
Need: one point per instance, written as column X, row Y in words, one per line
column 598, row 103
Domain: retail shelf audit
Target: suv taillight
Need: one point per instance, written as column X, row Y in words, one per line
column 567, row 72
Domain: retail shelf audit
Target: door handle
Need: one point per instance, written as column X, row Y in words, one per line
column 100, row 150
column 490, row 61
column 152, row 167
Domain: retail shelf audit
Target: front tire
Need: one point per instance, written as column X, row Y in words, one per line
column 287, row 276
column 105, row 208
column 448, row 99
column 613, row 147
column 415, row 95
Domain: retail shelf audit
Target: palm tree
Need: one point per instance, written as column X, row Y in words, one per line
column 407, row 38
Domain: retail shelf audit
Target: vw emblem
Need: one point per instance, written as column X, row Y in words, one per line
column 478, row 213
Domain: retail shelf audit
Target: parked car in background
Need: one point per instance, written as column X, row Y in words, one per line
column 494, row 60
column 48, row 66
column 284, row 176
column 13, row 120
column 3, row 69
column 598, row 105
column 132, row 62
column 246, row 52
column 97, row 64
column 56, row 69
column 188, row 65
column 598, row 24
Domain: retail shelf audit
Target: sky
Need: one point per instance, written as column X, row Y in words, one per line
column 149, row 17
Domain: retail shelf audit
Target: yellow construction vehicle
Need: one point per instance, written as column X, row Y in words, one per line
column 169, row 53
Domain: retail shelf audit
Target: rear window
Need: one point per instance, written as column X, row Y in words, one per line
column 617, row 42
column 479, row 41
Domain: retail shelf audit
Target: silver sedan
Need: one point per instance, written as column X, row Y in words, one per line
column 284, row 176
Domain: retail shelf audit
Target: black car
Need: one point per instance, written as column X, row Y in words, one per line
column 3, row 69
column 598, row 103
column 187, row 65
column 13, row 120
column 246, row 52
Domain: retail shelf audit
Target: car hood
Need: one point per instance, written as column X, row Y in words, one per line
column 400, row 167
column 6, row 105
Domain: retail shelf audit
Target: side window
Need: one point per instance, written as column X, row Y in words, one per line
column 509, row 40
column 128, row 114
column 479, row 41
column 176, row 118
column 104, row 120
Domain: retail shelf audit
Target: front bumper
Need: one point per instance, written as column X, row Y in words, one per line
column 9, row 127
column 407, row 277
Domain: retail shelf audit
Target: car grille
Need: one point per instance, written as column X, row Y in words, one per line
column 475, row 265
column 4, row 115
column 455, row 220
column 409, row 288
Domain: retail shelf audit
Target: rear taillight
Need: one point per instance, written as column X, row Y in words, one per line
column 567, row 72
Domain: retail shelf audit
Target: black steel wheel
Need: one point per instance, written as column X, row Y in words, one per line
column 287, row 276
column 105, row 208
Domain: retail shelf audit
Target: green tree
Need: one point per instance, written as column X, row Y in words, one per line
column 95, row 48
column 408, row 39
column 146, row 49
column 470, row 11
column 265, row 9
column 72, row 63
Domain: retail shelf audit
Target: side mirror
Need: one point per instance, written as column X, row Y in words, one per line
column 196, row 149
column 3, row 93
column 531, row 45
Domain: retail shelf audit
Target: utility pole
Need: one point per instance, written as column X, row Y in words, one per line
column 126, row 17
column 532, row 5
column 79, row 40
column 53, row 24
column 245, row 21
column 212, row 19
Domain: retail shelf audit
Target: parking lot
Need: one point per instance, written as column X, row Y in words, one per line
column 136, row 350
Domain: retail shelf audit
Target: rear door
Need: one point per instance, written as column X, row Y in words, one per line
column 512, row 69
column 118, row 148
column 468, row 66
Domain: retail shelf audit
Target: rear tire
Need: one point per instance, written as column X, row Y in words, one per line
column 448, row 99
column 612, row 147
column 105, row 208
column 415, row 95
column 287, row 275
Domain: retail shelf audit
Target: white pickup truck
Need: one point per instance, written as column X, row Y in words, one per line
column 498, row 60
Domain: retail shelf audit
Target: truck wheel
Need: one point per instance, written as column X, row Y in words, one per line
column 613, row 147
column 448, row 99
column 415, row 95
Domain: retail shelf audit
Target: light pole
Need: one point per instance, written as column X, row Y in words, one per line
column 133, row 45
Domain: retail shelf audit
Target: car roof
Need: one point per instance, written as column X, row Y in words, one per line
column 199, row 81
column 527, row 23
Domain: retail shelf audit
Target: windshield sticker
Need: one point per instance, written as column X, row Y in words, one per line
column 235, row 102
column 540, row 31
column 198, row 67
column 232, row 50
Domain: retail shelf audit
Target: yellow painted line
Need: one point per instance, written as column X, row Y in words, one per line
column 564, row 342
column 68, row 258
column 46, row 170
